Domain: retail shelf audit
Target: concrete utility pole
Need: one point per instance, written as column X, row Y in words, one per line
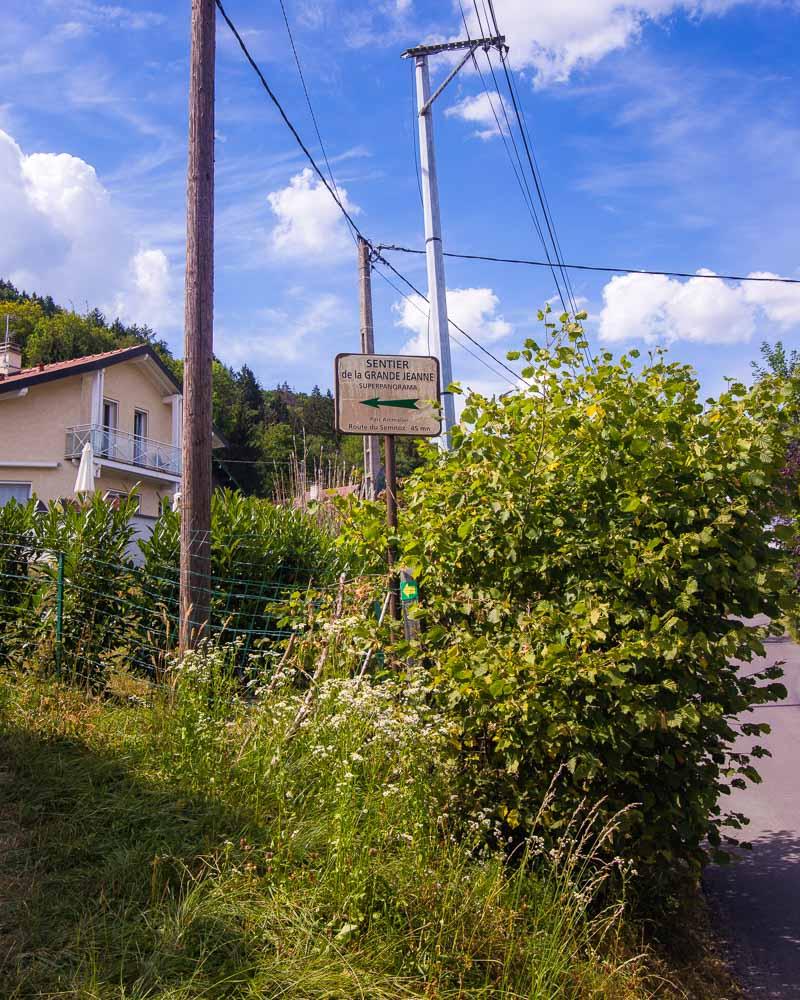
column 437, row 288
column 199, row 334
column 372, row 447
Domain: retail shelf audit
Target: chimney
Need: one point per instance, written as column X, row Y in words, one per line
column 10, row 358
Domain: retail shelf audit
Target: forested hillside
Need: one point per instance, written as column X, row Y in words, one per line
column 265, row 428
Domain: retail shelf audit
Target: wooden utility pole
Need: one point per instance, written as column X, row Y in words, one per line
column 198, row 334
column 372, row 448
column 391, row 523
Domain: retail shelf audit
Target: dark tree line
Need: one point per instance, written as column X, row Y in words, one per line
column 267, row 430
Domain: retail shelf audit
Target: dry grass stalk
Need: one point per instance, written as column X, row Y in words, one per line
column 306, row 705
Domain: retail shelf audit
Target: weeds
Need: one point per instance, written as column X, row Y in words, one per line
column 183, row 847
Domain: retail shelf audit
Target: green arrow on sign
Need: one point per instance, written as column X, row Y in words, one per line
column 405, row 404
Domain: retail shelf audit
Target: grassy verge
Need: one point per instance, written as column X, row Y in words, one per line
column 184, row 846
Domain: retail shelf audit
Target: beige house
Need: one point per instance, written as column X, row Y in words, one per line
column 126, row 403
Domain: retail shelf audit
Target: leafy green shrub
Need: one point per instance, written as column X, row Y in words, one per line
column 587, row 554
column 16, row 551
column 93, row 538
column 113, row 610
column 260, row 552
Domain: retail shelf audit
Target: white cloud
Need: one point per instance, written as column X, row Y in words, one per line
column 654, row 308
column 309, row 220
column 148, row 290
column 111, row 15
column 781, row 303
column 483, row 110
column 65, row 237
column 474, row 309
column 553, row 39
column 282, row 335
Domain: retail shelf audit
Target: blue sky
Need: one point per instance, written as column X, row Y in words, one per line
column 668, row 136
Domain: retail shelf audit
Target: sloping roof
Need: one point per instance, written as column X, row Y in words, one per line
column 90, row 363
column 79, row 366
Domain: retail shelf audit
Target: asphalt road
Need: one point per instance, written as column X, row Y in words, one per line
column 756, row 902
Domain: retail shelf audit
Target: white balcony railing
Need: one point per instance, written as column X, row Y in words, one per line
column 119, row 446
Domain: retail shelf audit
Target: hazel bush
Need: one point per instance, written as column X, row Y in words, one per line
column 591, row 554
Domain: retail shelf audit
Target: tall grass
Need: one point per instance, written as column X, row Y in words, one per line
column 192, row 844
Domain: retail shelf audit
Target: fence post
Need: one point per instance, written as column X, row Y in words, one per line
column 59, row 611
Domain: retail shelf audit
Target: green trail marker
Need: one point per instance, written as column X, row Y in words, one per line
column 409, row 595
column 402, row 404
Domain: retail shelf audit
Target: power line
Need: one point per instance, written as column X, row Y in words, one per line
column 285, row 118
column 334, row 195
column 537, row 179
column 519, row 174
column 596, row 267
column 537, row 175
column 456, row 341
column 308, row 96
column 451, row 322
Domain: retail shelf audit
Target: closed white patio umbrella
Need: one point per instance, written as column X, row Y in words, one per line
column 85, row 481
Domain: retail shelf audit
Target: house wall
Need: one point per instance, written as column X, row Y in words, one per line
column 33, row 429
column 134, row 390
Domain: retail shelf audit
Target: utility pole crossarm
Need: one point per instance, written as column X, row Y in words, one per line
column 496, row 42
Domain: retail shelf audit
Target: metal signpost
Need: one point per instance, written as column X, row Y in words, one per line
column 388, row 394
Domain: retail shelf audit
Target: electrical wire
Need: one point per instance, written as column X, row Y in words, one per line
column 456, row 341
column 270, row 93
column 594, row 267
column 451, row 322
column 305, row 91
column 528, row 141
column 506, row 135
column 285, row 117
column 537, row 180
column 533, row 150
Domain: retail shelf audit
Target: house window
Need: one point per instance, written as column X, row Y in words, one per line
column 21, row 492
column 108, row 442
column 140, row 437
column 110, row 410
column 114, row 497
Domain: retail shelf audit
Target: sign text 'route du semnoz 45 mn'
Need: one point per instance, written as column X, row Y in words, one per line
column 387, row 394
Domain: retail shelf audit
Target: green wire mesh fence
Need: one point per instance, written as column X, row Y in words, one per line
column 83, row 616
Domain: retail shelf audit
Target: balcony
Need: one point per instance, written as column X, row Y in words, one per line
column 114, row 446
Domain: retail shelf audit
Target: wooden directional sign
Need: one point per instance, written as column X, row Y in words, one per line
column 387, row 394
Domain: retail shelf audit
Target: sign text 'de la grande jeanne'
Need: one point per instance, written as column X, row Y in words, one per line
column 387, row 394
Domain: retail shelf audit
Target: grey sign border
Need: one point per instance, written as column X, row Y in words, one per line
column 361, row 354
